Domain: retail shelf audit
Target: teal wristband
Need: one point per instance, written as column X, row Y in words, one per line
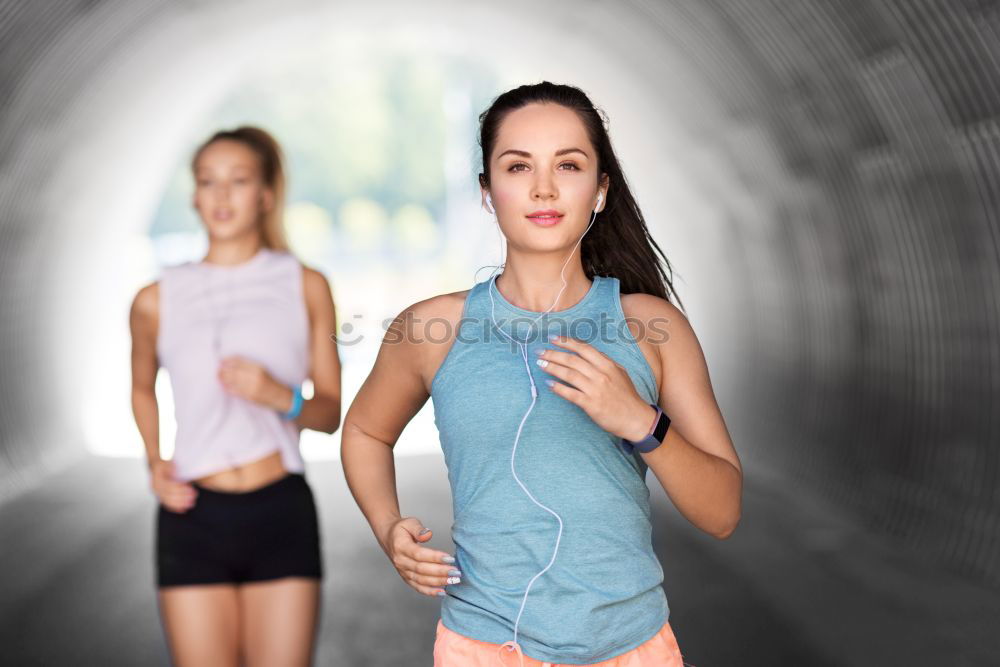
column 296, row 408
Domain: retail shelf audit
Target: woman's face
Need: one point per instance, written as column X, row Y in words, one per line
column 230, row 194
column 544, row 178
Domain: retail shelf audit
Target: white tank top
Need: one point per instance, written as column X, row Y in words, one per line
column 255, row 310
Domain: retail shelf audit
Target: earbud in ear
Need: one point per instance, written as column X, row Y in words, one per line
column 600, row 198
column 489, row 203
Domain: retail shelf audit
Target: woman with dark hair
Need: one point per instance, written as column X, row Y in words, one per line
column 238, row 554
column 551, row 393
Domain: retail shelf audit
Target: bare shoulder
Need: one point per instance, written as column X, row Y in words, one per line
column 314, row 281
column 316, row 292
column 440, row 308
column 646, row 306
column 654, row 322
column 655, row 313
column 430, row 327
column 434, row 320
column 314, row 284
column 146, row 303
column 399, row 382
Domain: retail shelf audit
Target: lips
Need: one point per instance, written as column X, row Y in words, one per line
column 545, row 218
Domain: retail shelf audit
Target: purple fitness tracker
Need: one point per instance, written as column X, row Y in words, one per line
column 655, row 437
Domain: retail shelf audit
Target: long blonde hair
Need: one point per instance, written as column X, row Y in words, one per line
column 272, row 229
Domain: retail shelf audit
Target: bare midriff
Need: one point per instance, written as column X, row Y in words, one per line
column 246, row 477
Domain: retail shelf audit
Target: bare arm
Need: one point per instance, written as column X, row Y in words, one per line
column 697, row 463
column 393, row 393
column 322, row 411
column 144, row 324
column 389, row 398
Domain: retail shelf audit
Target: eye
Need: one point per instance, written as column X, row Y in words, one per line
column 572, row 165
column 514, row 167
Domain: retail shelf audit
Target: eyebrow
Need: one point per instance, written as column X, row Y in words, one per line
column 235, row 167
column 561, row 151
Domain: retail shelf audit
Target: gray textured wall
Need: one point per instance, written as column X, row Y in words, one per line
column 858, row 289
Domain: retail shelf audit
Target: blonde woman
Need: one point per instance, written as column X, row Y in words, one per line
column 238, row 549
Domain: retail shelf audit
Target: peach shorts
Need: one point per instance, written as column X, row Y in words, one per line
column 454, row 650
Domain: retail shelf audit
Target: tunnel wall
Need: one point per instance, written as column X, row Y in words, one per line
column 882, row 388
column 862, row 312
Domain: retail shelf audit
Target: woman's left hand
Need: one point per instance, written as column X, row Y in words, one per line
column 601, row 387
column 251, row 381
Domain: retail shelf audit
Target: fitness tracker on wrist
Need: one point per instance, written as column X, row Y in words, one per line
column 655, row 437
column 296, row 408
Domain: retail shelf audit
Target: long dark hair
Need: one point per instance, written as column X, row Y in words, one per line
column 618, row 244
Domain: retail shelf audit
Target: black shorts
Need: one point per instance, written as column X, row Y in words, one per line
column 231, row 537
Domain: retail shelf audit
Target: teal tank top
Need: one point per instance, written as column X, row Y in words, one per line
column 602, row 595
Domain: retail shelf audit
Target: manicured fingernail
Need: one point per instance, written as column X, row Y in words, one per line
column 424, row 531
column 550, row 382
column 540, row 351
column 454, row 580
column 448, row 559
column 454, row 573
column 554, row 337
column 542, row 362
column 440, row 594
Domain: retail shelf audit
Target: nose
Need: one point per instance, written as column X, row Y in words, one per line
column 544, row 187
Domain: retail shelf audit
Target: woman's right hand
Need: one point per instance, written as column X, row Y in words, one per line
column 175, row 496
column 426, row 570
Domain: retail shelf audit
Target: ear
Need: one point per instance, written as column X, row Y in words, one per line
column 267, row 200
column 603, row 189
column 483, row 192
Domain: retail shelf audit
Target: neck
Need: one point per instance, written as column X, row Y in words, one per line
column 533, row 282
column 232, row 251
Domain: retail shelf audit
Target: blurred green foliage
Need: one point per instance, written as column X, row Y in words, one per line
column 352, row 126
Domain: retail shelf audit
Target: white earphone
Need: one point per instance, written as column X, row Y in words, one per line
column 523, row 348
